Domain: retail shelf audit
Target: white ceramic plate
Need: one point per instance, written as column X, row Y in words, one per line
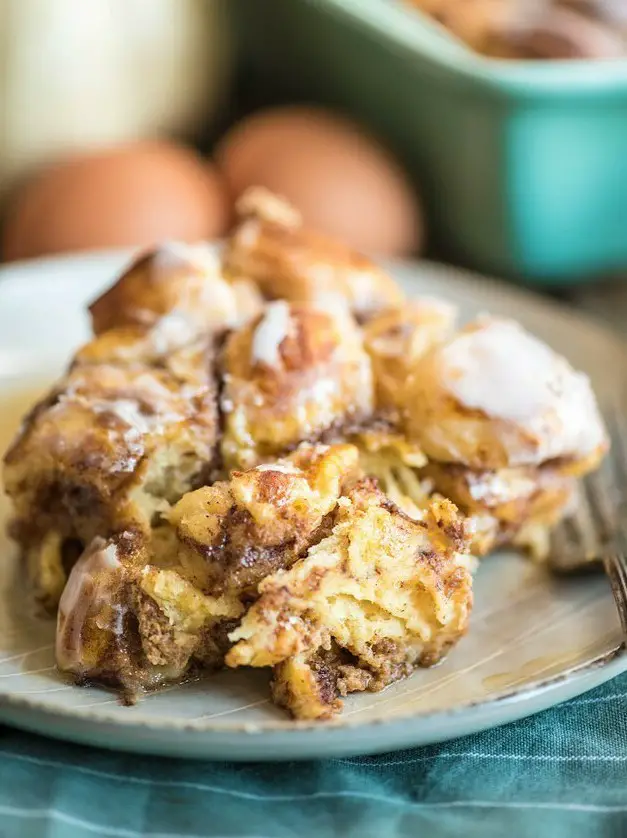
column 534, row 640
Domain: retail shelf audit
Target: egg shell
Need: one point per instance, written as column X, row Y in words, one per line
column 135, row 195
column 342, row 180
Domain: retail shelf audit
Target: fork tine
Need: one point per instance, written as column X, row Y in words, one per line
column 581, row 541
column 615, row 565
column 586, row 523
column 574, row 547
column 618, row 437
column 599, row 490
column 618, row 459
column 620, row 532
column 601, row 519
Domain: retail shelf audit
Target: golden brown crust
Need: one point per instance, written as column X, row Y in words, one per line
column 111, row 444
column 396, row 338
column 510, row 494
column 290, row 376
column 503, row 504
column 288, row 262
column 93, row 441
column 179, row 281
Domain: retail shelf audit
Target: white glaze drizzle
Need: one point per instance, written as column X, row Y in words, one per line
column 270, row 333
column 170, row 332
column 129, row 412
column 221, row 303
column 89, row 586
column 508, row 374
column 282, row 468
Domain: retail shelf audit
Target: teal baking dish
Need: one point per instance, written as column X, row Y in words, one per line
column 522, row 165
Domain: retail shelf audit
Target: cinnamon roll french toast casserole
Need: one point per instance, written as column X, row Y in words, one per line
column 271, row 458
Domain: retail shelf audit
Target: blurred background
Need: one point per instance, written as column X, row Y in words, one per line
column 487, row 133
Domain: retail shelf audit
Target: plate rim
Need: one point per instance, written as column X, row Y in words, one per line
column 294, row 742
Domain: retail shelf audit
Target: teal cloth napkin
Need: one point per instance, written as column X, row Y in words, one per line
column 560, row 774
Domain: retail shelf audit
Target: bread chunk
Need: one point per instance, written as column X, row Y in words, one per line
column 138, row 611
column 295, row 374
column 181, row 282
column 391, row 591
column 273, row 248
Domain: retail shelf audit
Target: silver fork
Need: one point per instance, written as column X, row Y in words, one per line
column 596, row 534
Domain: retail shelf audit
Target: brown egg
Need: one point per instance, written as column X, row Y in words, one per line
column 133, row 195
column 344, row 182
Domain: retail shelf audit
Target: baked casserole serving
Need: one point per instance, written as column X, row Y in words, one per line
column 270, row 458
